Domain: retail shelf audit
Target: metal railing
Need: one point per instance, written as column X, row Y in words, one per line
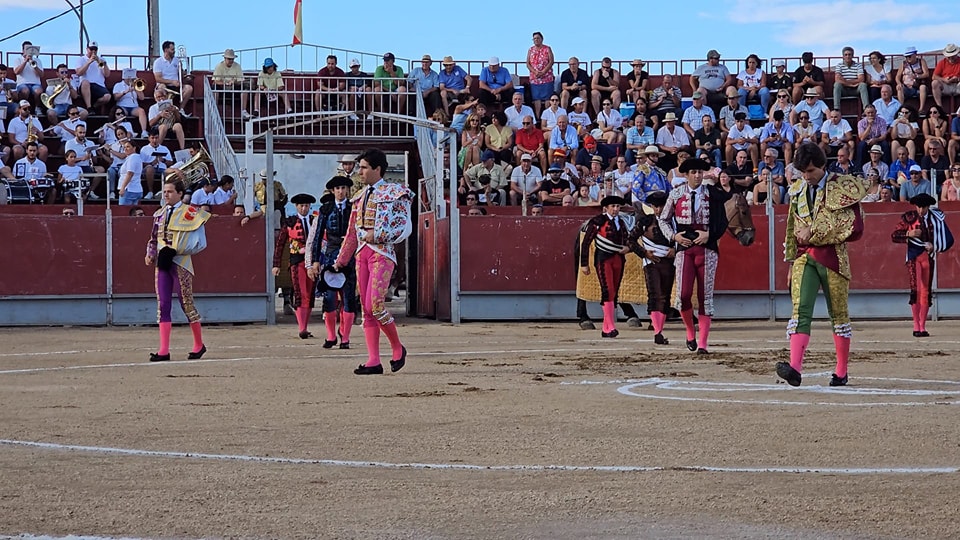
column 306, row 58
column 218, row 145
column 51, row 60
column 340, row 113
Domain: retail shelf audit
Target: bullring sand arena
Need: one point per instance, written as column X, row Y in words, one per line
column 533, row 430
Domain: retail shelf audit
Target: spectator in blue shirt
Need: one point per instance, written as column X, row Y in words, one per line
column 454, row 81
column 564, row 137
column 428, row 84
column 496, row 84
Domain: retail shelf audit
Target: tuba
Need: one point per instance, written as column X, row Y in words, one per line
column 47, row 101
column 194, row 169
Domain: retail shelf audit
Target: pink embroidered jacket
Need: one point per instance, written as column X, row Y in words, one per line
column 383, row 208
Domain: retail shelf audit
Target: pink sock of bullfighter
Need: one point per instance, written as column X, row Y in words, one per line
column 165, row 329
column 798, row 347
column 842, row 344
column 704, row 331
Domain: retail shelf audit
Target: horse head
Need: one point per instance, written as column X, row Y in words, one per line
column 739, row 221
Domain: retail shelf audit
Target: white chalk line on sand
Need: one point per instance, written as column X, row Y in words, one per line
column 302, row 357
column 470, row 467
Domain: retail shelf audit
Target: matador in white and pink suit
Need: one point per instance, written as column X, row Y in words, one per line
column 380, row 219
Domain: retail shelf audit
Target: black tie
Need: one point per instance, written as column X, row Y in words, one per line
column 306, row 227
column 169, row 215
column 811, row 196
column 693, row 206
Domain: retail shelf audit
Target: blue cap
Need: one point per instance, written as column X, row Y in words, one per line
column 555, row 168
column 487, row 154
column 268, row 62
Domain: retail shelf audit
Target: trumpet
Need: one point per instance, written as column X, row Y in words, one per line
column 100, row 62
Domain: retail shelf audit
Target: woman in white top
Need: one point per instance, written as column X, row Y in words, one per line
column 878, row 74
column 131, row 191
column 116, row 153
column 117, row 118
column 903, row 132
column 548, row 118
column 752, row 82
column 609, row 122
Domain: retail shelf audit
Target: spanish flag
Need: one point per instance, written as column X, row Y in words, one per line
column 297, row 23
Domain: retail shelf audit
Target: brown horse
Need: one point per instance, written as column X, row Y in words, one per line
column 739, row 221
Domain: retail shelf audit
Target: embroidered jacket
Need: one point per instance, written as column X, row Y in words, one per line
column 383, row 208
column 177, row 232
column 326, row 237
column 292, row 237
column 681, row 214
column 933, row 229
column 834, row 220
column 609, row 237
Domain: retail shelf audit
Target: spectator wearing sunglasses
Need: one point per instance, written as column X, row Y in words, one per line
column 63, row 101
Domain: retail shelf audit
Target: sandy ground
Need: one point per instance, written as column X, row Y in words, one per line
column 731, row 453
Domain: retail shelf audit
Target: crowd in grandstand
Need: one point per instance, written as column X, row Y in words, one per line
column 566, row 138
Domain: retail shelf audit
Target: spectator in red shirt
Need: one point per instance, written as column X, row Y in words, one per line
column 330, row 85
column 529, row 140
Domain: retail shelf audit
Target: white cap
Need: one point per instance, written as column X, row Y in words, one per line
column 24, row 103
column 93, row 45
column 915, row 168
column 526, row 157
column 779, row 62
column 354, row 62
column 577, row 100
column 494, row 61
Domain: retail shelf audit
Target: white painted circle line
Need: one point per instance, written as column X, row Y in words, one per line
column 634, row 388
column 469, row 467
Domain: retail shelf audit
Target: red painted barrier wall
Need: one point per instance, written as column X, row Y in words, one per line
column 55, row 255
column 52, row 255
column 514, row 253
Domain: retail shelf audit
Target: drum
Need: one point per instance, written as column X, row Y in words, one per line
column 18, row 191
column 77, row 187
column 45, row 182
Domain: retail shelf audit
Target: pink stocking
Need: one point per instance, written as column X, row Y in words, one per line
column 165, row 329
column 922, row 318
column 798, row 347
column 371, row 333
column 330, row 321
column 197, row 336
column 916, row 316
column 396, row 347
column 346, row 323
column 301, row 324
column 609, row 316
column 657, row 318
column 842, row 345
column 704, row 331
column 687, row 316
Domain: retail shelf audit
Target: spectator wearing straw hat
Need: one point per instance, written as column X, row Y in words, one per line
column 946, row 76
column 637, row 79
column 454, row 81
column 428, row 84
column 228, row 80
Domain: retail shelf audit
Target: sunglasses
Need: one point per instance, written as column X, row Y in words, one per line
column 551, row 99
column 73, row 113
column 955, row 170
column 62, row 72
column 527, row 123
column 782, row 96
column 804, row 117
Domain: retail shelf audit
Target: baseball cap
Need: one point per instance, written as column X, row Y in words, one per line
column 577, row 100
column 354, row 62
column 526, row 157
column 389, row 56
column 712, row 53
column 24, row 103
column 268, row 62
column 779, row 62
column 915, row 168
column 589, row 141
column 93, row 45
column 494, row 61
column 554, row 168
column 697, row 95
column 487, row 154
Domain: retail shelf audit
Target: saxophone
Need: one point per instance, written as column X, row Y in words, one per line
column 31, row 134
